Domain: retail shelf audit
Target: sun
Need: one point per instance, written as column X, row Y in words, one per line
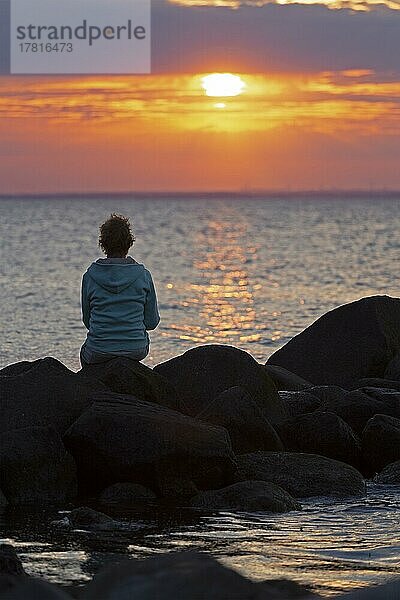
column 223, row 84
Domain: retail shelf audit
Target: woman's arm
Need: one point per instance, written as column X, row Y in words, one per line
column 151, row 314
column 85, row 303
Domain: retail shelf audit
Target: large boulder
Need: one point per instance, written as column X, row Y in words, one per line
column 380, row 442
column 393, row 368
column 121, row 438
column 249, row 496
column 43, row 392
column 302, row 475
column 351, row 342
column 184, row 576
column 3, row 502
column 125, row 376
column 201, row 374
column 390, row 474
column 322, row 433
column 285, row 380
column 300, row 403
column 357, row 407
column 127, row 495
column 247, row 426
column 35, row 467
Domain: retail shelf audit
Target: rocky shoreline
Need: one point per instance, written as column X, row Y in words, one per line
column 211, row 430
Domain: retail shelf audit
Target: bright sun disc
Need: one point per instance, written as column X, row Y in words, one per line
column 223, row 84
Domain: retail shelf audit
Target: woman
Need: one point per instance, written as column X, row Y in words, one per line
column 119, row 302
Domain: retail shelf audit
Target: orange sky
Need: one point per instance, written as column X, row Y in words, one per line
column 288, row 130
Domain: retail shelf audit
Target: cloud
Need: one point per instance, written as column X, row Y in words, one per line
column 359, row 5
column 295, row 37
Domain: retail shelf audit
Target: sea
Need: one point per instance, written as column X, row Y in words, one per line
column 251, row 271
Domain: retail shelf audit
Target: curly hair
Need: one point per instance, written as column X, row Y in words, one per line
column 116, row 236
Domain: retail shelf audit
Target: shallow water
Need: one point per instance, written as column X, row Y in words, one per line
column 329, row 546
column 251, row 273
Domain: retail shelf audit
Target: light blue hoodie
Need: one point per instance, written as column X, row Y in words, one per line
column 119, row 305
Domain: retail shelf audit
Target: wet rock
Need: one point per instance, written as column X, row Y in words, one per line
column 121, row 438
column 300, row 403
column 248, row 428
column 127, row 494
column 249, row 496
column 349, row 343
column 10, row 563
column 130, row 377
column 356, row 408
column 390, row 474
column 35, row 467
column 285, row 380
column 380, row 442
column 322, row 433
column 87, row 518
column 43, row 392
column 302, row 475
column 28, row 588
column 203, row 373
column 184, row 575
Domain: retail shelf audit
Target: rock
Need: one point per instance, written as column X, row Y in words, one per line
column 121, row 438
column 43, row 393
column 3, row 502
column 203, row 373
column 390, row 474
column 377, row 383
column 249, row 496
column 285, row 380
column 28, row 588
column 130, row 377
column 249, row 430
column 10, row 563
column 393, row 368
column 127, row 494
column 302, row 475
column 300, row 403
column 349, row 343
column 380, row 443
column 389, row 591
column 328, row 393
column 357, row 407
column 35, row 467
column 322, row 433
column 87, row 518
column 175, row 489
column 187, row 576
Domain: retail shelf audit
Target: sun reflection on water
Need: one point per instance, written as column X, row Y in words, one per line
column 221, row 290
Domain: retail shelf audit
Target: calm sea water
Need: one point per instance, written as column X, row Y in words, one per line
column 247, row 272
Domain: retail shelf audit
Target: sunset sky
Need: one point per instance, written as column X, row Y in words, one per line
column 317, row 105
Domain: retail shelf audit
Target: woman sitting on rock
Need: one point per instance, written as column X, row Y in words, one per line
column 119, row 302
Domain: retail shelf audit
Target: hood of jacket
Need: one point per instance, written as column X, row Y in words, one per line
column 115, row 274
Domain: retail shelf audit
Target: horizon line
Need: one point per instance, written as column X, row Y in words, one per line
column 178, row 194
